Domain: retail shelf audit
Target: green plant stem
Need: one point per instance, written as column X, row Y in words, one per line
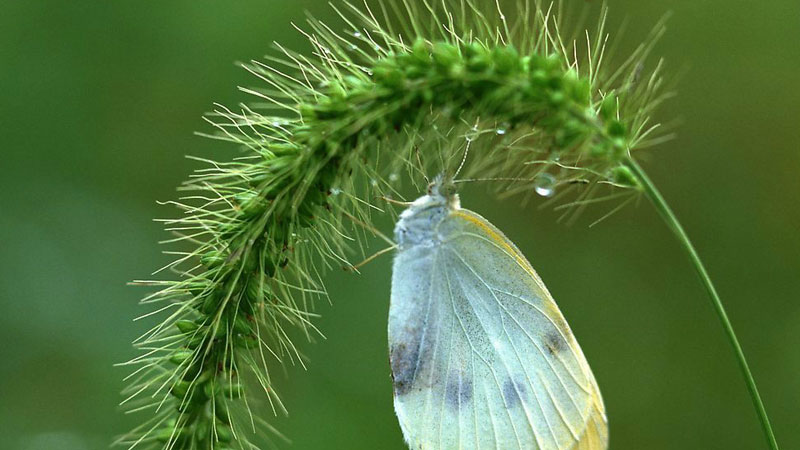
column 669, row 217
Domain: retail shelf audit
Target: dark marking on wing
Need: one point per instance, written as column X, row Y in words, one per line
column 459, row 390
column 554, row 342
column 513, row 393
column 410, row 359
column 403, row 358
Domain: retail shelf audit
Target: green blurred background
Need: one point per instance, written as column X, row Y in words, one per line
column 98, row 103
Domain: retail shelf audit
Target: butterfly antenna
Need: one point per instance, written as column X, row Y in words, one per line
column 463, row 160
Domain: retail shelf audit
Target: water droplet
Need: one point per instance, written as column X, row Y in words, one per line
column 545, row 185
column 502, row 128
column 393, row 177
column 472, row 134
column 356, row 34
column 335, row 191
column 373, row 182
column 353, row 47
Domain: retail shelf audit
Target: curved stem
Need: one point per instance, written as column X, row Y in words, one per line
column 669, row 217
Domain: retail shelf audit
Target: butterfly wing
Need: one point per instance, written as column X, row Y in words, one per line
column 481, row 356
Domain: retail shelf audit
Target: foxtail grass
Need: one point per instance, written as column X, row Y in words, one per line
column 389, row 96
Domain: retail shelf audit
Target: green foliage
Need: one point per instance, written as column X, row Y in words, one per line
column 329, row 136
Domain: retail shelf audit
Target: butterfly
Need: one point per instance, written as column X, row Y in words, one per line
column 481, row 356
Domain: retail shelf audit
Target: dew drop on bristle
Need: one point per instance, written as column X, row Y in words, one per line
column 356, row 34
column 545, row 185
column 502, row 129
column 472, row 134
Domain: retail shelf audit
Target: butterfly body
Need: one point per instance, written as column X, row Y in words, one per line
column 481, row 356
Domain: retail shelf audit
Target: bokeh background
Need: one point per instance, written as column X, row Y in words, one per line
column 98, row 105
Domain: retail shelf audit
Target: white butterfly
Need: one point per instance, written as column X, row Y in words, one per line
column 481, row 356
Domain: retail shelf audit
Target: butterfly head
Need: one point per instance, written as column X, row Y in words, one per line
column 443, row 189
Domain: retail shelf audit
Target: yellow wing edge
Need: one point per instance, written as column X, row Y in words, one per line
column 595, row 434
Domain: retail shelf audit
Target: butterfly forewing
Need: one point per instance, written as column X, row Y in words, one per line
column 481, row 356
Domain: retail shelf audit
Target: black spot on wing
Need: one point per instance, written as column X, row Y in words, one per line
column 410, row 359
column 459, row 390
column 554, row 342
column 403, row 358
column 513, row 393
